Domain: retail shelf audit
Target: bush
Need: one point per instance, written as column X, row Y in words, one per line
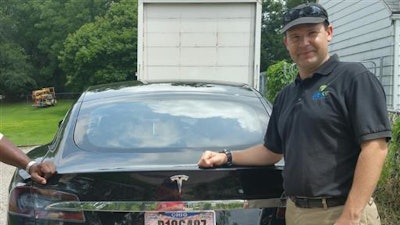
column 388, row 191
column 278, row 75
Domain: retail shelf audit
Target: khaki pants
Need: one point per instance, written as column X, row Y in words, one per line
column 320, row 216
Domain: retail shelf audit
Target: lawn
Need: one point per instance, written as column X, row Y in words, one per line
column 26, row 125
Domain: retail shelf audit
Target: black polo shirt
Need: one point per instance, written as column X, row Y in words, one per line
column 319, row 123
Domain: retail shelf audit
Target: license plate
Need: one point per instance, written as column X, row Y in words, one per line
column 180, row 218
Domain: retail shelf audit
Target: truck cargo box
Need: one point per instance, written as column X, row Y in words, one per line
column 199, row 40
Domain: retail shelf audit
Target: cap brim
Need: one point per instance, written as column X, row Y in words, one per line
column 302, row 20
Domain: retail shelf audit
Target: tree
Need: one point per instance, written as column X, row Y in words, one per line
column 15, row 76
column 278, row 76
column 103, row 51
column 58, row 20
column 15, row 70
column 272, row 48
column 293, row 3
column 40, row 28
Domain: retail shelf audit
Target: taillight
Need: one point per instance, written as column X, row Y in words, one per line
column 32, row 202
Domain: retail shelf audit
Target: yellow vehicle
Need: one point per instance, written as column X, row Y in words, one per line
column 44, row 97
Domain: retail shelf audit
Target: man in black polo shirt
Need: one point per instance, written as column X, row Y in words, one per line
column 331, row 126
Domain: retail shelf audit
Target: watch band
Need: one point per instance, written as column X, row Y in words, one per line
column 228, row 156
column 29, row 165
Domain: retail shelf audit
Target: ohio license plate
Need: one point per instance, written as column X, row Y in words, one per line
column 180, row 218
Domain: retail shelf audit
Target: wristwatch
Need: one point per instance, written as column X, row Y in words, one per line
column 228, row 156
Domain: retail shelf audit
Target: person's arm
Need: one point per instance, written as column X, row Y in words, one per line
column 257, row 155
column 12, row 155
column 368, row 170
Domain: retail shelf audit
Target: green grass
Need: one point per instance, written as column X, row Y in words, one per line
column 26, row 125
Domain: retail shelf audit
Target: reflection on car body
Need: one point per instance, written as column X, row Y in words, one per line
column 127, row 154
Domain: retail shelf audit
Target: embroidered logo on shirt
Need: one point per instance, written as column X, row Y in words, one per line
column 321, row 93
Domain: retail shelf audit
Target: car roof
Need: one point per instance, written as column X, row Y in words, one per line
column 170, row 87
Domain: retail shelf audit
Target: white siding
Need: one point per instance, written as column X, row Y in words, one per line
column 396, row 77
column 363, row 31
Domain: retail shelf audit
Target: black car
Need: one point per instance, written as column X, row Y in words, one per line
column 127, row 153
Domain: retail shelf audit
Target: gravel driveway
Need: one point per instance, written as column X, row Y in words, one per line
column 6, row 172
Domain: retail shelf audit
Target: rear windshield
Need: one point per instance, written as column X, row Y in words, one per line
column 169, row 123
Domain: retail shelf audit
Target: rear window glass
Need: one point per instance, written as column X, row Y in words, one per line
column 169, row 123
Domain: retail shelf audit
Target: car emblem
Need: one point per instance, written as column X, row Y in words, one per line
column 179, row 179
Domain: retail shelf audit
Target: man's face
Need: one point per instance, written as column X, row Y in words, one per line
column 308, row 45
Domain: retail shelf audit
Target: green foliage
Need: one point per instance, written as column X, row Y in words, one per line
column 103, row 51
column 39, row 28
column 15, row 70
column 278, row 76
column 14, row 64
column 392, row 168
column 58, row 19
column 272, row 47
column 388, row 192
column 293, row 3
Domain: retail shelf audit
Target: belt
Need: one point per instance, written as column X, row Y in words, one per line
column 327, row 202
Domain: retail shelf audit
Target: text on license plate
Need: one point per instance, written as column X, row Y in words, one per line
column 180, row 218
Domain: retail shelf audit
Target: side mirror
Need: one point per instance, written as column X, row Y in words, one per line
column 59, row 123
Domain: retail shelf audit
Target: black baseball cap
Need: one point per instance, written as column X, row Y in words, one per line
column 304, row 13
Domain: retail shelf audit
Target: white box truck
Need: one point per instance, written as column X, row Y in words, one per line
column 217, row 40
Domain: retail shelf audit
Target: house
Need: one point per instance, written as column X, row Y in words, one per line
column 369, row 31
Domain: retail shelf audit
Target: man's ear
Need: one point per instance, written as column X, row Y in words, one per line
column 285, row 40
column 329, row 30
